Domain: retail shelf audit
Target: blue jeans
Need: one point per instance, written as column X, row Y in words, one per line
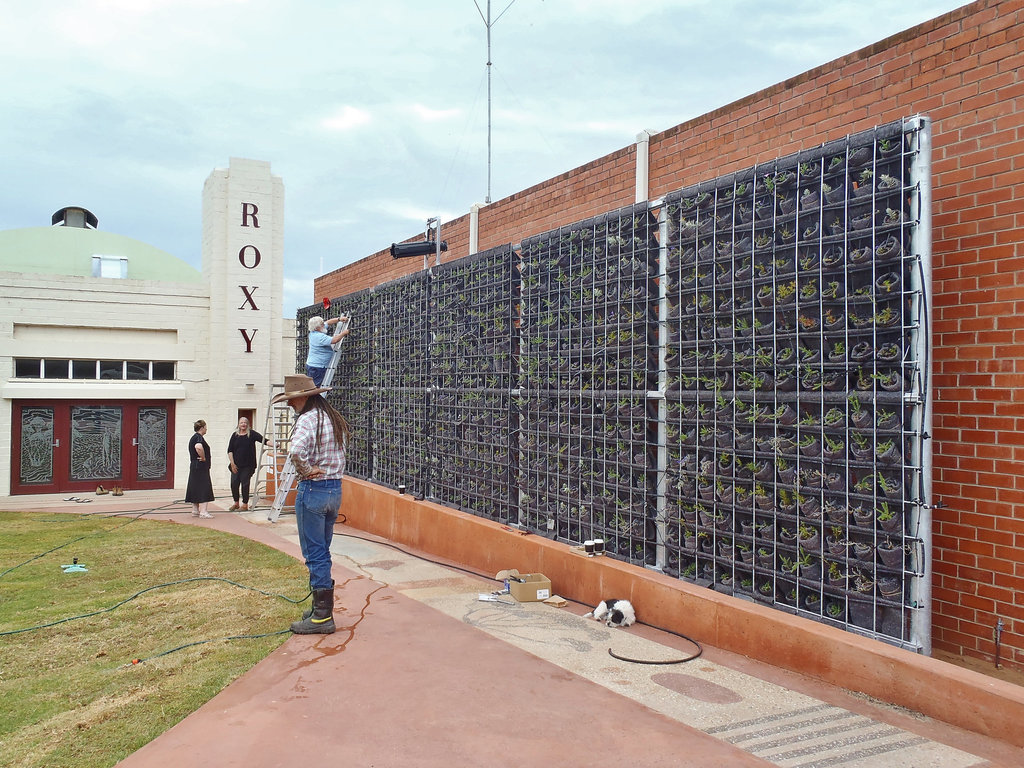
column 316, row 509
column 316, row 374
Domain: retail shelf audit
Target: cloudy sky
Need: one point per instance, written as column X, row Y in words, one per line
column 373, row 113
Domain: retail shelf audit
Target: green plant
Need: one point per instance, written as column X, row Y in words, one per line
column 833, row 444
column 866, row 484
column 885, row 512
column 786, row 290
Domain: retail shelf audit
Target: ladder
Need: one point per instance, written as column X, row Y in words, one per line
column 285, row 477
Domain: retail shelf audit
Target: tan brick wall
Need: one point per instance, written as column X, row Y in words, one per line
column 962, row 71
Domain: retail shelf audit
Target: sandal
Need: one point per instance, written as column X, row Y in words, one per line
column 233, row 507
column 83, row 501
column 71, row 498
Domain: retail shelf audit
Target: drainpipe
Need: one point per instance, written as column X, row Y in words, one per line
column 643, row 165
column 474, row 227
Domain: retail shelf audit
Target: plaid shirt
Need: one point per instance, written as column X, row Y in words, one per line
column 323, row 452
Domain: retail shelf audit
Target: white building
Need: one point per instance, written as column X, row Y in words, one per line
column 110, row 349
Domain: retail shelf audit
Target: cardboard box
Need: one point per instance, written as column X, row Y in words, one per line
column 537, row 587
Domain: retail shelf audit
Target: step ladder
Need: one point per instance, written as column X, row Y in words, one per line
column 285, row 476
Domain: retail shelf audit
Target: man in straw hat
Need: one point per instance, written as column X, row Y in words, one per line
column 318, row 453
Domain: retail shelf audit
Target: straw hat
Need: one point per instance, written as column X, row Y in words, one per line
column 298, row 385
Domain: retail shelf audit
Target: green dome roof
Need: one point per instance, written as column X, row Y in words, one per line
column 69, row 251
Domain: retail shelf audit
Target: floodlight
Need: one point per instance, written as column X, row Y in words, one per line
column 423, row 248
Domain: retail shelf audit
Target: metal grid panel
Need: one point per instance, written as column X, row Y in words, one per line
column 401, row 378
column 588, row 334
column 352, row 393
column 793, row 377
column 474, row 367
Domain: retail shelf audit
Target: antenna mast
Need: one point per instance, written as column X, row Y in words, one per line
column 488, row 23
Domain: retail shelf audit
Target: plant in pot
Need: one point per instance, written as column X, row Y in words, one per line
column 835, row 541
column 890, row 517
column 890, row 381
column 889, row 352
column 892, row 217
column 888, row 452
column 890, row 587
column 808, row 566
column 834, row 609
column 837, row 354
column 865, row 485
column 863, row 516
column 861, row 446
column 833, row 290
column 889, row 248
column 890, row 485
column 834, row 448
column 886, row 419
column 810, row 538
column 890, row 553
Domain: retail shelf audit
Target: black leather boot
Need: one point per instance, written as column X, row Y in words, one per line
column 309, row 611
column 321, row 621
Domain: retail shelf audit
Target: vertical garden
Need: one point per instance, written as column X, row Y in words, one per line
column 728, row 384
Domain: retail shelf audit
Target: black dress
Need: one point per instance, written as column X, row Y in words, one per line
column 200, row 487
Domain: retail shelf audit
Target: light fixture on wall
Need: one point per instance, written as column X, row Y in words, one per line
column 250, row 386
column 424, row 247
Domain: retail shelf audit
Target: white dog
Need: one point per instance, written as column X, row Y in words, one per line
column 614, row 613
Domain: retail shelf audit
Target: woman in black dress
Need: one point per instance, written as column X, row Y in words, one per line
column 199, row 491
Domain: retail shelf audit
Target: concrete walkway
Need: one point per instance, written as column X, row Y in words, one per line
column 422, row 672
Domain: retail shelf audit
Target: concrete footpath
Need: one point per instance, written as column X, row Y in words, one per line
column 422, row 672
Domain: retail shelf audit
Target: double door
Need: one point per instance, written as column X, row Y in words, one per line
column 60, row 446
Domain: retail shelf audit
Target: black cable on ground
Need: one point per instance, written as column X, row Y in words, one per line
column 203, row 642
column 144, row 591
column 700, row 648
column 138, row 513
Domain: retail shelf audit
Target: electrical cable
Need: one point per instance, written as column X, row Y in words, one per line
column 86, row 536
column 135, row 662
column 700, row 648
column 144, row 591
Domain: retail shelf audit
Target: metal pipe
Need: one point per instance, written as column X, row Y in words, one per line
column 998, row 633
column 921, row 245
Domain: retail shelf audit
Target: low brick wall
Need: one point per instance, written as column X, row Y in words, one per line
column 935, row 688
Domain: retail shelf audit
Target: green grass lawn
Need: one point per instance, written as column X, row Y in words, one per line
column 71, row 694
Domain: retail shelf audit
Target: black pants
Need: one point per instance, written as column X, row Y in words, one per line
column 240, row 481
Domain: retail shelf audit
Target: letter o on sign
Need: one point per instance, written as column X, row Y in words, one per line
column 242, row 257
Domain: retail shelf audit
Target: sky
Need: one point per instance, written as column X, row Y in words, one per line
column 374, row 114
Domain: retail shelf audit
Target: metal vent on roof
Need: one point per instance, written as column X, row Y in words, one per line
column 74, row 216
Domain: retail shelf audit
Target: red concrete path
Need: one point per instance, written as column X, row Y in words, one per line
column 401, row 684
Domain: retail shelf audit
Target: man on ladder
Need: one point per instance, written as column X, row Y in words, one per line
column 287, row 478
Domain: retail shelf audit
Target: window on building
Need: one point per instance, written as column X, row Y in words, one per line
column 28, row 369
column 134, row 370
column 163, row 371
column 109, row 266
column 83, row 369
column 111, row 369
column 55, row 369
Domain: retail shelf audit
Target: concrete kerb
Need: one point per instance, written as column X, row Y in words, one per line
column 935, row 688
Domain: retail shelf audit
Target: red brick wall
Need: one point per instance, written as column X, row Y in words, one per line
column 962, row 71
